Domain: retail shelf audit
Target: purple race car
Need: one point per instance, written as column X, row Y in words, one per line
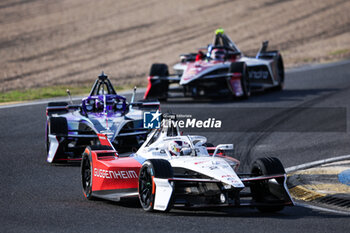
column 70, row 128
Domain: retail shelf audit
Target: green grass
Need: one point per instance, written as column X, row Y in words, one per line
column 339, row 52
column 46, row 92
column 307, row 60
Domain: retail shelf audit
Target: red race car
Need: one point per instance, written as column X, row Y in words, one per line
column 221, row 69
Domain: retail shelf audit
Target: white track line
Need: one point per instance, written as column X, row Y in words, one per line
column 322, row 209
column 316, row 163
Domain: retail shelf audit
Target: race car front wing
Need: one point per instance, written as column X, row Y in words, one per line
column 198, row 193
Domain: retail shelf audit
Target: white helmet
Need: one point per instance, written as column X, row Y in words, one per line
column 175, row 148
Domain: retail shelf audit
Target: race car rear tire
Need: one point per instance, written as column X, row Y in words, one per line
column 58, row 126
column 152, row 168
column 47, row 139
column 280, row 72
column 241, row 67
column 55, row 126
column 86, row 173
column 260, row 190
column 159, row 69
column 208, row 144
column 159, row 87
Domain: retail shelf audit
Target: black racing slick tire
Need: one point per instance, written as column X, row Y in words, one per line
column 47, row 139
column 58, row 126
column 160, row 86
column 260, row 190
column 55, row 126
column 152, row 168
column 86, row 173
column 159, row 69
column 208, row 144
column 241, row 67
column 280, row 72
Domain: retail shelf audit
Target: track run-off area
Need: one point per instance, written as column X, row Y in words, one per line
column 39, row 197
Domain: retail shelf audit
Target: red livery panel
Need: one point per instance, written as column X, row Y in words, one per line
column 111, row 172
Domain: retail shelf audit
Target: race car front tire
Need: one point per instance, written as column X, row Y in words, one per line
column 280, row 72
column 152, row 168
column 241, row 67
column 86, row 173
column 260, row 190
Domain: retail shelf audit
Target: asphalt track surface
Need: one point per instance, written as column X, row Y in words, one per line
column 38, row 197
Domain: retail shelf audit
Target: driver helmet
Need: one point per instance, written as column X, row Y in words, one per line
column 218, row 54
column 175, row 147
column 98, row 105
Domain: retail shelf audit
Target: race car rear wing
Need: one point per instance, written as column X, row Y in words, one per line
column 146, row 105
column 143, row 104
column 264, row 54
column 61, row 109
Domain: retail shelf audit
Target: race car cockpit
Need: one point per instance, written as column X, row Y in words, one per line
column 222, row 48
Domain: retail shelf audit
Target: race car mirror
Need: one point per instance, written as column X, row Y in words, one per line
column 70, row 97
column 223, row 147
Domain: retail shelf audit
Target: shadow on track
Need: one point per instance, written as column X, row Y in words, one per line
column 296, row 212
